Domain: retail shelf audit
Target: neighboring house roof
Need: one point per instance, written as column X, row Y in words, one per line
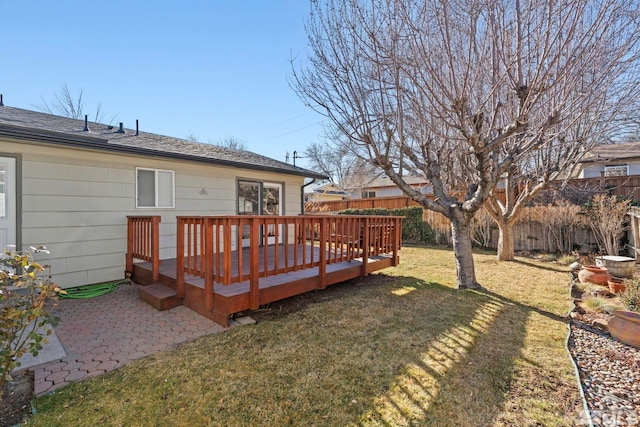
column 326, row 188
column 613, row 152
column 46, row 128
column 385, row 181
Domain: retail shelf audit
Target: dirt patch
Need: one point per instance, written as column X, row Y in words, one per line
column 16, row 399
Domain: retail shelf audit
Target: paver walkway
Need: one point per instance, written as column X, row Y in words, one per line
column 103, row 333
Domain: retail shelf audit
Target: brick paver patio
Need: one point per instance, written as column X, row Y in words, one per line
column 103, row 333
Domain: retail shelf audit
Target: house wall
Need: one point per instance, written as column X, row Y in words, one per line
column 75, row 202
column 593, row 171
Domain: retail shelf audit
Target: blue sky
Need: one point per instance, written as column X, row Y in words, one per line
column 213, row 69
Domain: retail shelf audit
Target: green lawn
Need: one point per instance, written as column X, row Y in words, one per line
column 398, row 348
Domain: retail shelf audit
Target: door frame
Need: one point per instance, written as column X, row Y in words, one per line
column 261, row 184
column 18, row 196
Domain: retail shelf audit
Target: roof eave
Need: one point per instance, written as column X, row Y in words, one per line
column 102, row 144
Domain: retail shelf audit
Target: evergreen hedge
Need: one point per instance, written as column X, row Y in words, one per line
column 414, row 230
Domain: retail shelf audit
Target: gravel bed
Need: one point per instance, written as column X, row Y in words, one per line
column 610, row 375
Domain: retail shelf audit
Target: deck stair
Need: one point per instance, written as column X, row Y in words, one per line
column 160, row 296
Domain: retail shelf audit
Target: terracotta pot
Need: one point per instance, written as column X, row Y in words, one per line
column 616, row 285
column 625, row 327
column 594, row 274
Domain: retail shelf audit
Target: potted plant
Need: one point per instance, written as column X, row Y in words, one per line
column 625, row 324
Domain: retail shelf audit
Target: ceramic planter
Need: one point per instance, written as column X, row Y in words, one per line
column 625, row 327
column 594, row 274
column 616, row 285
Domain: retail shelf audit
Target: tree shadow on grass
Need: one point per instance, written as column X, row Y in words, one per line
column 542, row 267
column 463, row 366
column 470, row 365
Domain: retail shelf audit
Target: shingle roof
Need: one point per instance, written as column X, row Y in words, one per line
column 613, row 152
column 27, row 124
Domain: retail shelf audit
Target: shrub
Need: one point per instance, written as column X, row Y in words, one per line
column 599, row 304
column 606, row 215
column 631, row 295
column 24, row 304
column 414, row 230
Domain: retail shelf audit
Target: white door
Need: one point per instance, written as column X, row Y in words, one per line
column 7, row 202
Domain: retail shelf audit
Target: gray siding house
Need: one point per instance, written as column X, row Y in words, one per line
column 69, row 185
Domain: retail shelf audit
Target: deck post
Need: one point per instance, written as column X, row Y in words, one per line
column 129, row 255
column 155, row 247
column 180, row 258
column 254, row 260
column 322, row 268
column 207, row 255
column 397, row 231
column 365, row 245
column 226, row 251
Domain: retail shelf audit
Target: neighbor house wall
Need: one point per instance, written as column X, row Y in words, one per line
column 593, row 171
column 75, row 202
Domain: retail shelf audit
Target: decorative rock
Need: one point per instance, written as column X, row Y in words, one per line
column 575, row 266
column 609, row 374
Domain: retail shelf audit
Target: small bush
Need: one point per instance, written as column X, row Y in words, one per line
column 601, row 305
column 414, row 230
column 24, row 300
column 630, row 298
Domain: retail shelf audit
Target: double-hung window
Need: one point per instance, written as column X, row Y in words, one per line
column 155, row 188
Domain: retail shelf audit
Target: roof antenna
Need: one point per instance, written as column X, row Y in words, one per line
column 137, row 132
column 86, row 123
column 1, row 103
column 120, row 129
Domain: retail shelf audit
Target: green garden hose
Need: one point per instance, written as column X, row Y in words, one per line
column 90, row 291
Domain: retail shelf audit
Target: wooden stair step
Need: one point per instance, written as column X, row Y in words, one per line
column 160, row 296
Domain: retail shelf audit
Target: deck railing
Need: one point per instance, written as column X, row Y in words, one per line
column 233, row 249
column 143, row 237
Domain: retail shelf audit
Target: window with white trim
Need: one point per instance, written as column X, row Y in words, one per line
column 617, row 170
column 368, row 194
column 155, row 188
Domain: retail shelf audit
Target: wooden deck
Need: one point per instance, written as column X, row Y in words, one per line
column 314, row 252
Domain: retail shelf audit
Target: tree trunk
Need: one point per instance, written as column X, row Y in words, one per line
column 462, row 248
column 506, row 248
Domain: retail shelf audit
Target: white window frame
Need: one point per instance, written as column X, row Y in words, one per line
column 368, row 194
column 617, row 168
column 156, row 188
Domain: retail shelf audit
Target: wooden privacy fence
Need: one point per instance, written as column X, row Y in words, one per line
column 538, row 229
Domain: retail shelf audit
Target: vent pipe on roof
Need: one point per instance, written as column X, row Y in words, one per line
column 137, row 129
column 120, row 129
column 1, row 103
column 86, row 123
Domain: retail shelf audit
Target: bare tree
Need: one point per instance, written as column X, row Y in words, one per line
column 469, row 92
column 232, row 142
column 334, row 161
column 68, row 105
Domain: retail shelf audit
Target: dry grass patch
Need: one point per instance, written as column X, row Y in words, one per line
column 400, row 348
